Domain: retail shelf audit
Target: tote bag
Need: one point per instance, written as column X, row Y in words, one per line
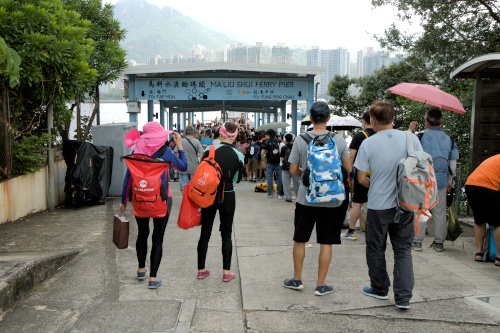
column 189, row 213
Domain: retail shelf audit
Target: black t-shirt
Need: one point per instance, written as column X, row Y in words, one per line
column 228, row 160
column 269, row 146
column 359, row 137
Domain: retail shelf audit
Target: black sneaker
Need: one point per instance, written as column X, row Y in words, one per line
column 323, row 290
column 293, row 284
column 403, row 306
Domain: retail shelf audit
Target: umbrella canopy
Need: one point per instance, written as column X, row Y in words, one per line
column 429, row 95
column 275, row 124
column 306, row 120
column 342, row 123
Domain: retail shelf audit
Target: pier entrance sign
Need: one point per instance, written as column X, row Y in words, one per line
column 200, row 89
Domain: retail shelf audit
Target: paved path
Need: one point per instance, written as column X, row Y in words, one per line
column 94, row 288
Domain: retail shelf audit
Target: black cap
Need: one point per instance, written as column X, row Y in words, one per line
column 320, row 110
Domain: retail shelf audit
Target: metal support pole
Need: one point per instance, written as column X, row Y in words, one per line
column 294, row 117
column 458, row 188
column 150, row 110
column 170, row 118
column 131, row 91
column 50, row 157
column 162, row 113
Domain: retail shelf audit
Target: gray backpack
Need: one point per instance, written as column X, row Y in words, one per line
column 416, row 183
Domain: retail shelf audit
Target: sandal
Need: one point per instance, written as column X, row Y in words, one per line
column 479, row 256
column 497, row 261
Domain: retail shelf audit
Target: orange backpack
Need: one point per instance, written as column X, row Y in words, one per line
column 205, row 181
column 149, row 196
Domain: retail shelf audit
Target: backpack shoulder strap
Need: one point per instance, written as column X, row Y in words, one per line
column 306, row 137
column 192, row 145
column 409, row 142
column 211, row 153
column 365, row 134
column 162, row 150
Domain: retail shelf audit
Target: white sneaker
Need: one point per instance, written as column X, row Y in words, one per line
column 279, row 197
column 269, row 196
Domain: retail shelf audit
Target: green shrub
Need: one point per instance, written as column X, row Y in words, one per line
column 29, row 154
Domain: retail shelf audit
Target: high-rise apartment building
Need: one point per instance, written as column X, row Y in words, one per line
column 334, row 62
column 313, row 56
column 281, row 55
column 369, row 61
column 259, row 54
column 237, row 53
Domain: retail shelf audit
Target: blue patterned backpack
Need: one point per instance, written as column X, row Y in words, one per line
column 323, row 175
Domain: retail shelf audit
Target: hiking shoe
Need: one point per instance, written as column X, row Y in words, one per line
column 370, row 291
column 416, row 246
column 438, row 247
column 269, row 196
column 323, row 290
column 203, row 274
column 155, row 284
column 293, row 284
column 403, row 306
column 349, row 235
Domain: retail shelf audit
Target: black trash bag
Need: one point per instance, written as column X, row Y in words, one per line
column 89, row 168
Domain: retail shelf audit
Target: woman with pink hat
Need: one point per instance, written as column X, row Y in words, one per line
column 152, row 142
column 231, row 162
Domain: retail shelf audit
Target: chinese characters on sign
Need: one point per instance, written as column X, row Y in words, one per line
column 221, row 89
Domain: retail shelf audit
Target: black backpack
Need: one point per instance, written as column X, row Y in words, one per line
column 273, row 152
column 286, row 165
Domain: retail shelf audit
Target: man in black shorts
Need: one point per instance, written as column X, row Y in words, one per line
column 326, row 216
column 359, row 192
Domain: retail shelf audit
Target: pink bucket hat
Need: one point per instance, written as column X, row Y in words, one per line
column 152, row 138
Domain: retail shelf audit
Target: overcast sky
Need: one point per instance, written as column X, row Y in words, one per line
column 324, row 23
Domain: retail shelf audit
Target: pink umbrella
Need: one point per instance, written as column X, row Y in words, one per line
column 429, row 95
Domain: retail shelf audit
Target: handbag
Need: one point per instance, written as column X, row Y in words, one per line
column 120, row 231
column 454, row 227
column 189, row 213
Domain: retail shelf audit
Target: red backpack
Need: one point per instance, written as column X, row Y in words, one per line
column 205, row 181
column 149, row 196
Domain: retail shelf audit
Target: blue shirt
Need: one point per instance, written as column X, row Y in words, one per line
column 206, row 141
column 438, row 144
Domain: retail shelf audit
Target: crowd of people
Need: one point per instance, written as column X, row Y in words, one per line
column 368, row 166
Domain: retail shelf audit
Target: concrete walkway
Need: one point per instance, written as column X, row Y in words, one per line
column 60, row 272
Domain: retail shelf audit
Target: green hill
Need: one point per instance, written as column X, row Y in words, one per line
column 153, row 31
column 165, row 31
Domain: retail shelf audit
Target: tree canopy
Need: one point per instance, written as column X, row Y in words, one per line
column 54, row 48
column 453, row 32
column 66, row 48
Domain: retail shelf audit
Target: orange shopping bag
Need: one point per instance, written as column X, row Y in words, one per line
column 189, row 213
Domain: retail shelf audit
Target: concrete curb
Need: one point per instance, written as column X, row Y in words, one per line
column 20, row 272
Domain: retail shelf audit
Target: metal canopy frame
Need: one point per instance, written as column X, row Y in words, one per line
column 222, row 70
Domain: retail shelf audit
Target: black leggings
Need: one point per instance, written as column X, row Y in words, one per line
column 226, row 215
column 141, row 245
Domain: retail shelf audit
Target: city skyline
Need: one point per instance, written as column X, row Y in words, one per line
column 350, row 25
